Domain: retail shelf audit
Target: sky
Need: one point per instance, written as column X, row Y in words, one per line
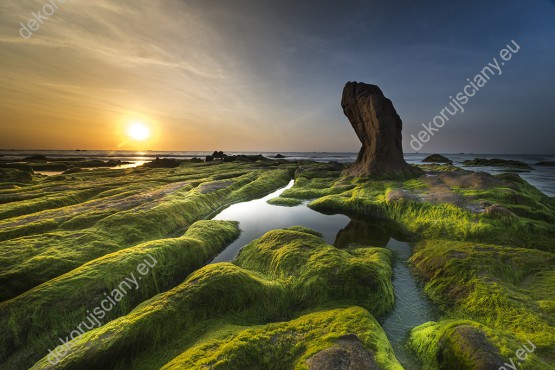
column 253, row 75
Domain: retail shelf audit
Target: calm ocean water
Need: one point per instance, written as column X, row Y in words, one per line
column 542, row 177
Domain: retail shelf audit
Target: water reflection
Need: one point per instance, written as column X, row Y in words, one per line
column 257, row 217
column 359, row 232
column 412, row 307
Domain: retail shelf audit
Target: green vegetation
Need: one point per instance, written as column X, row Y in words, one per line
column 465, row 344
column 507, row 289
column 484, row 252
column 319, row 273
column 104, row 211
column 285, row 202
column 33, row 321
column 291, row 344
column 429, row 211
column 279, row 277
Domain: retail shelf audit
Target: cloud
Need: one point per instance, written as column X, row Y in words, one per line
column 245, row 74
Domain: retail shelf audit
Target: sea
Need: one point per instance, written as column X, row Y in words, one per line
column 542, row 177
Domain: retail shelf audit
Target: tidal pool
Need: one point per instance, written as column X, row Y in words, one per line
column 257, row 217
column 412, row 307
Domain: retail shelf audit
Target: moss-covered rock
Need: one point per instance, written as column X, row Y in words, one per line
column 33, row 321
column 497, row 162
column 278, row 277
column 507, row 289
column 43, row 237
column 468, row 345
column 437, row 158
column 285, row 202
column 319, row 273
column 337, row 339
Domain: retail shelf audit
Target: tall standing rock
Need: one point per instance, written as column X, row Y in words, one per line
column 378, row 126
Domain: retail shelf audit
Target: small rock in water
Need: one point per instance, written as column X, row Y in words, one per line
column 497, row 162
column 437, row 158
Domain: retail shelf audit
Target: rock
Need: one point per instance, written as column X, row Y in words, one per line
column 469, row 348
column 216, row 155
column 437, row 158
column 219, row 155
column 72, row 170
column 15, row 175
column 244, row 158
column 465, row 180
column 400, row 194
column 18, row 166
column 347, row 354
column 546, row 163
column 35, row 158
column 498, row 211
column 279, row 156
column 378, row 127
column 163, row 163
column 497, row 162
column 49, row 166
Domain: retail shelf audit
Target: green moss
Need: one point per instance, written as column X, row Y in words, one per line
column 286, row 202
column 447, row 220
column 35, row 320
column 213, row 292
column 508, row 289
column 128, row 207
column 317, row 180
column 289, row 344
column 465, row 344
column 319, row 273
column 305, row 230
column 439, row 167
column 280, row 276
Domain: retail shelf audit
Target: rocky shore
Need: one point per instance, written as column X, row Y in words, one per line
column 484, row 253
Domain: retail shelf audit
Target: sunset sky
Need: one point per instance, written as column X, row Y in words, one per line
column 268, row 75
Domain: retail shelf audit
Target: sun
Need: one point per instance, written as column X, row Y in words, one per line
column 138, row 131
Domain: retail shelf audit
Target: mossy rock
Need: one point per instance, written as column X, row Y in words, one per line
column 31, row 322
column 337, row 339
column 59, row 226
column 322, row 273
column 282, row 275
column 437, row 158
column 508, row 289
column 497, row 162
column 285, row 202
column 457, row 344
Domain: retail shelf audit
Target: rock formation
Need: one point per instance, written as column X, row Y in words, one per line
column 437, row 158
column 497, row 162
column 378, row 126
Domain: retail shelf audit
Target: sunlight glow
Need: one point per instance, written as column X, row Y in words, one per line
column 138, row 131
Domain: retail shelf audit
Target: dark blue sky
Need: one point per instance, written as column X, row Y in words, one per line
column 419, row 53
column 268, row 75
